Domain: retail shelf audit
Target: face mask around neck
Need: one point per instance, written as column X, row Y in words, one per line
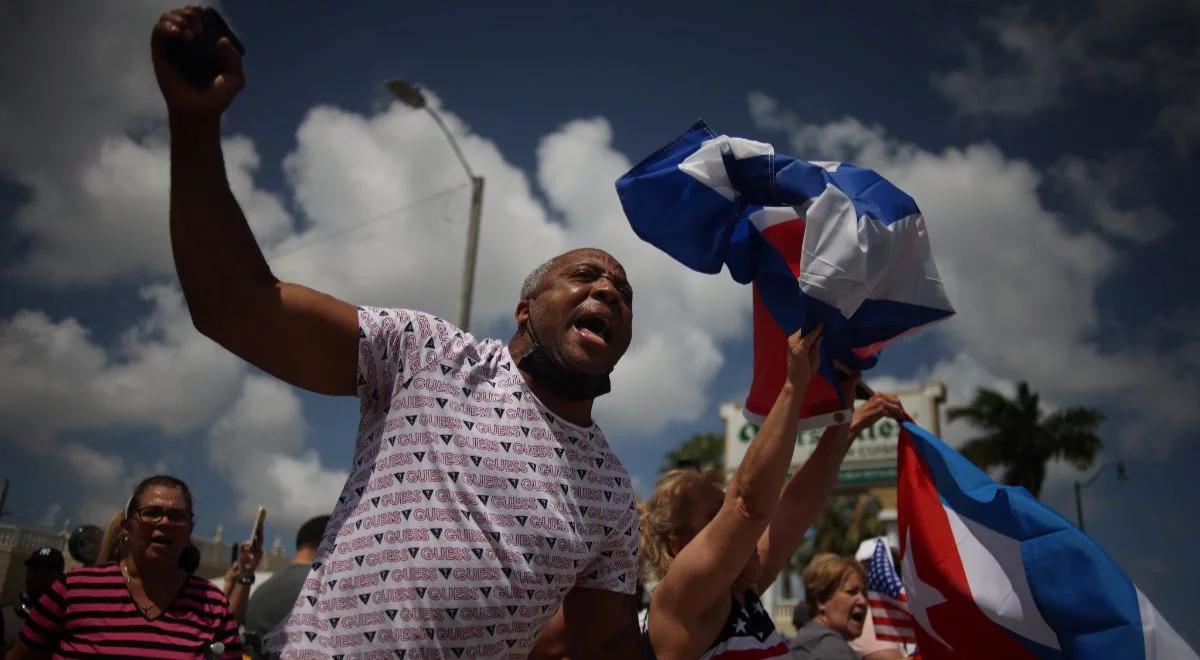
column 551, row 374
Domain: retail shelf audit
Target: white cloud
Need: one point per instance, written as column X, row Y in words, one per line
column 162, row 375
column 258, row 446
column 1024, row 286
column 109, row 220
column 664, row 379
column 83, row 132
column 100, row 481
column 1026, row 61
column 1093, row 187
column 100, row 86
column 1039, row 60
column 356, row 179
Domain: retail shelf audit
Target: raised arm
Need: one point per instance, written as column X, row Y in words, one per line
column 239, row 576
column 705, row 569
column 808, row 490
column 302, row 336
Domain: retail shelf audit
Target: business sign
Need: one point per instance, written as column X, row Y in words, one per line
column 871, row 460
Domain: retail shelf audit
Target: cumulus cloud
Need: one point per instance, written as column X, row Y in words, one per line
column 1024, row 285
column 1039, row 60
column 1024, row 61
column 664, row 379
column 83, row 133
column 99, row 87
column 160, row 375
column 259, row 446
column 1093, row 188
column 359, row 181
column 109, row 220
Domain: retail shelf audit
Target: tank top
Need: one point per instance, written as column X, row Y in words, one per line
column 748, row 634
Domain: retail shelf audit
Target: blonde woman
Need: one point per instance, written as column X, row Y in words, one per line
column 714, row 551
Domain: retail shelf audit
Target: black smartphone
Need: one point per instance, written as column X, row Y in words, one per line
column 197, row 59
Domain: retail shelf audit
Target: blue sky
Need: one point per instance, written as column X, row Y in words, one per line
column 1053, row 152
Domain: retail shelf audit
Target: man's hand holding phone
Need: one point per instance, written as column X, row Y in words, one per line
column 182, row 45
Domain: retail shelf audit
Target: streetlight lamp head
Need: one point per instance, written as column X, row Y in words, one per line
column 408, row 93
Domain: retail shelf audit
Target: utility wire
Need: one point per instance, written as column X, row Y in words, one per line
column 280, row 255
column 370, row 221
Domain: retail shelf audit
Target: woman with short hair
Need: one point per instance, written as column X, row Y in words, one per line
column 144, row 605
column 835, row 595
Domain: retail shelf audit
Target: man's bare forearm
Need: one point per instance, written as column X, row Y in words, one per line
column 601, row 626
column 216, row 255
column 625, row 642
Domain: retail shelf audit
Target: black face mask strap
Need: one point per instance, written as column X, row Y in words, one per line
column 551, row 374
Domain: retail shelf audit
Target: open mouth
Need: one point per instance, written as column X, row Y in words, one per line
column 593, row 326
column 159, row 541
column 859, row 616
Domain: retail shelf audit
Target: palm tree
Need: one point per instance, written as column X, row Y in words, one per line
column 1019, row 438
column 703, row 451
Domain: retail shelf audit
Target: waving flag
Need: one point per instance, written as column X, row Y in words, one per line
column 991, row 572
column 822, row 242
column 885, row 595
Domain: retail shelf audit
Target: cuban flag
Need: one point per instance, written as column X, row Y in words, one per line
column 821, row 242
column 991, row 572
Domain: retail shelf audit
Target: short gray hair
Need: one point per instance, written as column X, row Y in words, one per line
column 533, row 281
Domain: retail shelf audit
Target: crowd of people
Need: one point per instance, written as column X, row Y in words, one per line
column 486, row 515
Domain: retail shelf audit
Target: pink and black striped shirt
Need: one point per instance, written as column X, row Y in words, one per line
column 89, row 612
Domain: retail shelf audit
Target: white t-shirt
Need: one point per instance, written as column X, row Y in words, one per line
column 470, row 512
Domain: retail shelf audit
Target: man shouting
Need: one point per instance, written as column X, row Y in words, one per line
column 482, row 496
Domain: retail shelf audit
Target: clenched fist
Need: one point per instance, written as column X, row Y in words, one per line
column 184, row 99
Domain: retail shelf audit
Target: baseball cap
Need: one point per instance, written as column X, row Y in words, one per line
column 46, row 556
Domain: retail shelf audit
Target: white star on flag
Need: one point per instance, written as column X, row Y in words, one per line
column 921, row 596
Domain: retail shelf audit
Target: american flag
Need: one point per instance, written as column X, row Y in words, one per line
column 885, row 593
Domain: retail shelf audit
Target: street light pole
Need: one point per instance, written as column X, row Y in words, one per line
column 411, row 95
column 468, row 283
column 1122, row 476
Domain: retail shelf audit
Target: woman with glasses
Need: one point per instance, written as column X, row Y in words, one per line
column 145, row 604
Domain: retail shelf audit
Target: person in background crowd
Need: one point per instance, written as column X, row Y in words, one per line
column 835, row 596
column 715, row 551
column 491, row 412
column 145, row 605
column 273, row 599
column 867, row 645
column 240, row 576
column 42, row 567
